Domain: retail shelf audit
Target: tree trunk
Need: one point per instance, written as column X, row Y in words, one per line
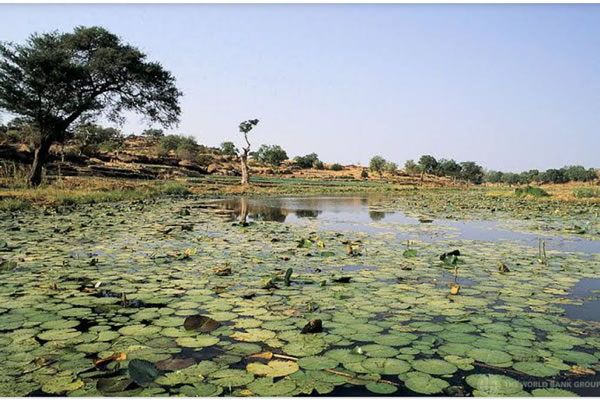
column 244, row 211
column 40, row 157
column 245, row 177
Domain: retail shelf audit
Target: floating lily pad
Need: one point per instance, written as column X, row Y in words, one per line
column 434, row 367
column 386, row 366
column 424, row 383
column 275, row 368
column 381, row 388
column 494, row 385
column 317, row 362
column 266, row 387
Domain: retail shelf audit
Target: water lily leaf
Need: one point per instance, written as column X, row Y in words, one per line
column 231, row 377
column 200, row 323
column 577, row 357
column 424, row 383
column 142, row 372
column 59, row 334
column 307, row 385
column 491, row 357
column 409, row 253
column 386, row 366
column 552, row 392
column 535, row 368
column 174, row 364
column 344, row 356
column 113, row 384
column 254, row 335
column 434, row 367
column 266, row 387
column 317, row 362
column 197, row 341
column 381, row 388
column 494, row 385
column 201, row 390
column 61, row 384
column 275, row 368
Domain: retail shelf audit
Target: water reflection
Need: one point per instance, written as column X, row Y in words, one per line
column 361, row 214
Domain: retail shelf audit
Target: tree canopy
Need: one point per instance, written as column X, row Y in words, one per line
column 56, row 79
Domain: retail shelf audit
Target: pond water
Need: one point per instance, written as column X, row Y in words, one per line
column 361, row 214
column 177, row 297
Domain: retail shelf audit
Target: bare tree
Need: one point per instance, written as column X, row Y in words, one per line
column 245, row 128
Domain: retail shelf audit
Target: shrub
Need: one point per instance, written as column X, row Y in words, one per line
column 377, row 164
column 228, row 149
column 411, row 167
column 586, row 193
column 308, row 161
column 364, row 174
column 336, row 167
column 14, row 205
column 175, row 189
column 531, row 191
column 390, row 167
column 155, row 133
column 271, row 155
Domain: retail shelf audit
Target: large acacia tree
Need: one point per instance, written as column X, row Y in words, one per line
column 56, row 80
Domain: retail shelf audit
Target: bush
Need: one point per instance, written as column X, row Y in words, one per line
column 586, row 193
column 14, row 205
column 377, row 164
column 411, row 167
column 155, row 133
column 364, row 174
column 174, row 189
column 271, row 155
column 336, row 167
column 308, row 161
column 185, row 147
column 228, row 149
column 531, row 191
column 390, row 167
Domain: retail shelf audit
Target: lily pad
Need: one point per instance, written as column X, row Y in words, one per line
column 274, row 369
column 424, row 383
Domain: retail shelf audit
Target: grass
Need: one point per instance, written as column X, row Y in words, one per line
column 531, row 191
column 586, row 193
column 14, row 205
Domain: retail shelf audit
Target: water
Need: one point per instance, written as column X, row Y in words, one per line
column 358, row 214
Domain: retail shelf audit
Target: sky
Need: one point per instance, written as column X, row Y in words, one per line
column 511, row 87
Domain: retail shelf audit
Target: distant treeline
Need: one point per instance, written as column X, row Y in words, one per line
column 471, row 171
column 90, row 139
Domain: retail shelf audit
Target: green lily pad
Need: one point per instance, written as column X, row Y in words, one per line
column 275, row 368
column 317, row 362
column 386, row 366
column 552, row 392
column 266, row 387
column 381, row 388
column 424, row 384
column 231, row 377
column 197, row 341
column 494, row 385
column 535, row 369
column 434, row 367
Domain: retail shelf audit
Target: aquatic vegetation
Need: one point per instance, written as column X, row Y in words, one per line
column 118, row 299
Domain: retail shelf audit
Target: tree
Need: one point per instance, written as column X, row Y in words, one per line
column 579, row 174
column 449, row 168
column 554, row 176
column 494, row 176
column 510, row 178
column 411, row 167
column 56, row 79
column 336, row 167
column 228, row 149
column 154, row 133
column 245, row 128
column 90, row 136
column 308, row 161
column 428, row 164
column 471, row 171
column 271, row 155
column 390, row 167
column 377, row 164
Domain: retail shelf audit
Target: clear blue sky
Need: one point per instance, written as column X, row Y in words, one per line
column 511, row 87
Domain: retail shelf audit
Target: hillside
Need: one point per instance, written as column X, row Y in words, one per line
column 139, row 158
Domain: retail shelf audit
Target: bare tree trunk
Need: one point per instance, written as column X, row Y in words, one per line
column 245, row 175
column 244, row 211
column 40, row 157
